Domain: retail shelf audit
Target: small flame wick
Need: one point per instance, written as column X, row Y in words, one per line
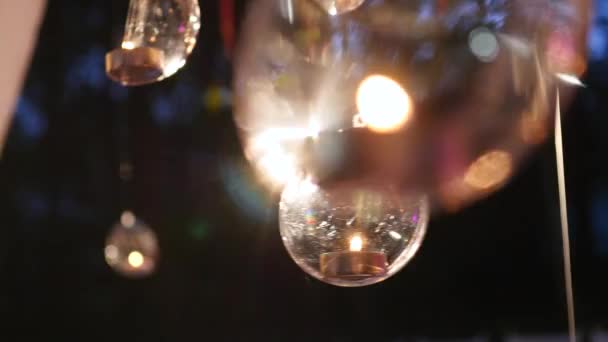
column 356, row 243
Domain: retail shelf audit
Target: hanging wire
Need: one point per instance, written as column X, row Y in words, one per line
column 563, row 208
column 125, row 165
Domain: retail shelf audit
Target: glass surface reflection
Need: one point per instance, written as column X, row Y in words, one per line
column 131, row 247
column 159, row 36
column 351, row 234
column 407, row 92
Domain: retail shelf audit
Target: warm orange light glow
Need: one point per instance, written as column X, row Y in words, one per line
column 135, row 259
column 384, row 106
column 534, row 129
column 490, row 170
column 356, row 243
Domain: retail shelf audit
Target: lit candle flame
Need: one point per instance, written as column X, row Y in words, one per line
column 356, row 243
column 135, row 259
column 384, row 106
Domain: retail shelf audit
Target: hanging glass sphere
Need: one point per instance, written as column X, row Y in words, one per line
column 131, row 248
column 351, row 234
column 159, row 36
column 439, row 97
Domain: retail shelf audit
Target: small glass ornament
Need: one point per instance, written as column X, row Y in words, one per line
column 159, row 36
column 351, row 234
column 132, row 248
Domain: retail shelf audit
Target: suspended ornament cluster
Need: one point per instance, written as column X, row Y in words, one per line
column 131, row 248
column 364, row 114
column 159, row 35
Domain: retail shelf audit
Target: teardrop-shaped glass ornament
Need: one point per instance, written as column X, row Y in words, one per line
column 159, row 36
column 132, row 248
column 352, row 233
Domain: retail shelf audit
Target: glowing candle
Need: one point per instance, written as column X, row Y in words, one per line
column 135, row 259
column 384, row 106
column 354, row 263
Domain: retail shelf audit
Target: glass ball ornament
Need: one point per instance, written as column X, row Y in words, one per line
column 159, row 35
column 351, row 234
column 131, row 247
column 438, row 97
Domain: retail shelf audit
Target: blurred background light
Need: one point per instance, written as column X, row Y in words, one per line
column 384, row 106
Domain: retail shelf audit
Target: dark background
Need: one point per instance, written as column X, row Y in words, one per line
column 493, row 270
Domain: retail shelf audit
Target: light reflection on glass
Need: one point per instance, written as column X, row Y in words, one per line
column 128, row 45
column 489, row 171
column 276, row 151
column 336, row 7
column 136, row 259
column 127, row 219
column 448, row 80
column 131, row 247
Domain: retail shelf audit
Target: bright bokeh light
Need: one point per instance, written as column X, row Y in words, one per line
column 276, row 151
column 483, row 44
column 111, row 253
column 384, row 106
column 131, row 247
column 278, row 165
column 337, row 7
column 395, row 235
column 403, row 92
column 274, row 136
column 490, row 170
column 356, row 243
column 128, row 45
column 136, row 259
column 332, row 10
column 300, row 188
column 127, row 219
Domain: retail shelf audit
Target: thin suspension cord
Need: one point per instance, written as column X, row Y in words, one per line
column 563, row 208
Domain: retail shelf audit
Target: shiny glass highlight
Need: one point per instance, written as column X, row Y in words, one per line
column 131, row 247
column 410, row 93
column 159, row 36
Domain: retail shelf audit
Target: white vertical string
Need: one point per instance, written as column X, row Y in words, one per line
column 563, row 208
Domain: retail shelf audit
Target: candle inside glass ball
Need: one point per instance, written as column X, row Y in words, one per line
column 132, row 248
column 351, row 234
column 353, row 263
